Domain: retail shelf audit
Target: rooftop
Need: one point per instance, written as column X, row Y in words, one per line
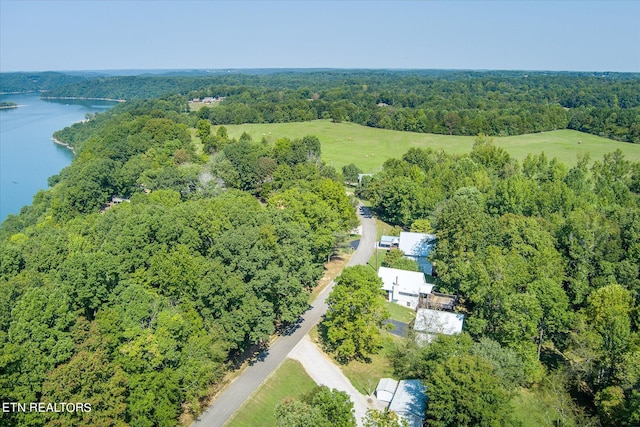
column 386, row 388
column 410, row 401
column 438, row 322
column 416, row 244
column 407, row 282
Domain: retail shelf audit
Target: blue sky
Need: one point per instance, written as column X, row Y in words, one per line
column 522, row 35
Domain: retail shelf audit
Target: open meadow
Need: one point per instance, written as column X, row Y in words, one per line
column 368, row 148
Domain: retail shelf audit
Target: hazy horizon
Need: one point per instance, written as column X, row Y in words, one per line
column 572, row 36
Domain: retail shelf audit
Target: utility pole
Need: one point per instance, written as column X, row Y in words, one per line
column 375, row 248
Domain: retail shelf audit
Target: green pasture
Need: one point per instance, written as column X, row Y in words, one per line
column 368, row 148
column 290, row 380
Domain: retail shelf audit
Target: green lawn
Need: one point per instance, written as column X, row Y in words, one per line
column 382, row 228
column 365, row 376
column 368, row 148
column 400, row 313
column 372, row 261
column 289, row 380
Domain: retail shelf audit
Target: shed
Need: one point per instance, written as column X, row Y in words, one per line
column 386, row 389
column 388, row 242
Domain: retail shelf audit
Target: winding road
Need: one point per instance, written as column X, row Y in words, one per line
column 242, row 387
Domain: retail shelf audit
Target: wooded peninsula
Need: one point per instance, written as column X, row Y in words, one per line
column 169, row 251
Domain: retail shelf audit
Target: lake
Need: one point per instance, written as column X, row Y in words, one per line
column 28, row 156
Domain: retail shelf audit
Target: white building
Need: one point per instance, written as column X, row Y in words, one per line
column 388, row 242
column 386, row 389
column 418, row 246
column 404, row 287
column 407, row 398
column 429, row 323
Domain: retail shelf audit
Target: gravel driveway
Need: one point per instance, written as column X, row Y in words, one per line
column 324, row 372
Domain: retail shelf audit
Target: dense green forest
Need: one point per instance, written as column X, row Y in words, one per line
column 138, row 308
column 443, row 102
column 546, row 262
column 35, row 82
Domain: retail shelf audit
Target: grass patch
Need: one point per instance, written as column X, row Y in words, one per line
column 368, row 148
column 400, row 313
column 530, row 411
column 289, row 380
column 383, row 228
column 331, row 271
column 372, row 261
column 365, row 376
column 195, row 106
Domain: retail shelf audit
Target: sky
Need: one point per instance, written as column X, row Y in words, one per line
column 54, row 35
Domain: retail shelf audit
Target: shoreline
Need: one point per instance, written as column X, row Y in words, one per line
column 64, row 144
column 82, row 98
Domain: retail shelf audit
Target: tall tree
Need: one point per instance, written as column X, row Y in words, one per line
column 355, row 314
column 465, row 391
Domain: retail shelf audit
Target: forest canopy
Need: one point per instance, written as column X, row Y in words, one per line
column 169, row 251
column 149, row 267
column 497, row 103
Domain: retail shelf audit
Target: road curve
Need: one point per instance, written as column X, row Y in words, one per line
column 242, row 387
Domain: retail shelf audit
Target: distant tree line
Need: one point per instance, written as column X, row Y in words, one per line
column 456, row 103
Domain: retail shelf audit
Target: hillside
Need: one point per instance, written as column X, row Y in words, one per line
column 368, row 148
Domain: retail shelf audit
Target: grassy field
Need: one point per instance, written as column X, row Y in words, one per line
column 289, row 380
column 368, row 148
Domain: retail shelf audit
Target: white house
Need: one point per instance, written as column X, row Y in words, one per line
column 404, row 287
column 429, row 323
column 418, row 246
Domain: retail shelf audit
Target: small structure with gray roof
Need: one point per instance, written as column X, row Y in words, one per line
column 386, row 389
column 388, row 242
column 430, row 323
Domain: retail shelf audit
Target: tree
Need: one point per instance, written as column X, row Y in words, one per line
column 321, row 407
column 451, row 120
column 555, row 308
column 465, row 391
column 394, row 258
column 608, row 310
column 203, row 128
column 422, row 226
column 376, row 418
column 355, row 314
column 350, row 173
column 294, row 413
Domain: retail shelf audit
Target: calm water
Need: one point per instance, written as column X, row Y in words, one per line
column 28, row 156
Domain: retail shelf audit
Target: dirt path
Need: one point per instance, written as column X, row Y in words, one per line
column 324, row 372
